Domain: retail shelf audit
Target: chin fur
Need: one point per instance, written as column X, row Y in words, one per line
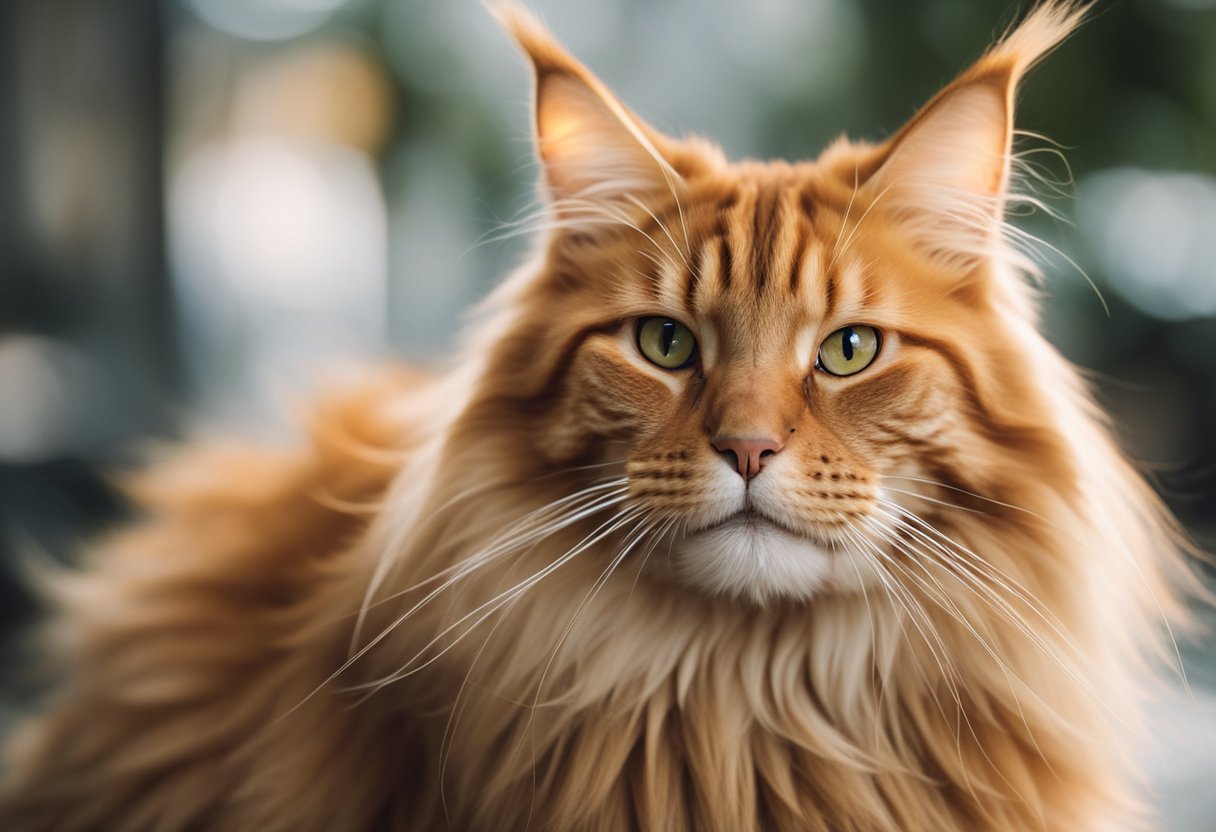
column 436, row 610
column 752, row 559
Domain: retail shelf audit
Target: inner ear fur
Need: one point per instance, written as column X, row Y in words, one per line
column 593, row 150
column 946, row 173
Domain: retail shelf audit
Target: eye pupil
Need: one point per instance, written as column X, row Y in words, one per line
column 848, row 350
column 666, row 342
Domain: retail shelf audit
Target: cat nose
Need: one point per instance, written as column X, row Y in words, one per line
column 749, row 454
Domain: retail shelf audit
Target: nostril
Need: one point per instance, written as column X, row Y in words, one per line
column 748, row 456
column 732, row 457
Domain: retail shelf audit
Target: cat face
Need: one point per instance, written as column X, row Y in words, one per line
column 781, row 357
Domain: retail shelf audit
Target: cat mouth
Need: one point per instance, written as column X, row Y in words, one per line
column 748, row 517
column 753, row 520
column 753, row 556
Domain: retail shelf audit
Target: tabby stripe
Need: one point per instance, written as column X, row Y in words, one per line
column 799, row 256
column 953, row 357
column 829, row 292
column 726, row 258
column 996, row 430
column 870, row 289
column 692, row 279
column 652, row 223
column 765, row 217
column 808, row 206
column 615, row 418
column 640, row 491
column 659, row 216
column 898, row 436
column 548, row 391
column 757, row 269
column 660, row 475
column 610, row 410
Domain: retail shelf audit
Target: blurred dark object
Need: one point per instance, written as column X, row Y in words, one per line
column 329, row 165
column 86, row 344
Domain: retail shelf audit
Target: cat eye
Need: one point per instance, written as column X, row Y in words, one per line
column 849, row 350
column 667, row 343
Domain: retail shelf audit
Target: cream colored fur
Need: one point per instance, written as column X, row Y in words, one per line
column 478, row 601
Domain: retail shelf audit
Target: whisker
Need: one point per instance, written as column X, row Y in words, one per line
column 970, row 569
column 662, row 227
column 976, row 562
column 627, row 545
column 986, row 593
column 631, row 539
column 844, row 223
column 573, row 469
column 582, row 504
column 657, row 538
column 494, row 604
column 463, row 568
column 879, row 693
column 938, row 596
column 857, row 226
column 449, row 731
column 940, row 484
column 902, row 596
column 395, row 544
column 904, row 599
column 931, row 500
column 1006, row 671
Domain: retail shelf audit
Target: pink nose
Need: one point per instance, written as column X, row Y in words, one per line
column 749, row 454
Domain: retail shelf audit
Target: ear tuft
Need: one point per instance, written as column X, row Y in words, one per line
column 594, row 151
column 947, row 171
column 526, row 29
column 1041, row 31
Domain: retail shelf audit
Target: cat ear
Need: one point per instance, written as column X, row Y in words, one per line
column 591, row 147
column 946, row 173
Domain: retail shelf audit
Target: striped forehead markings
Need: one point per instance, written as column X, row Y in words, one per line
column 726, row 256
column 797, row 262
column 778, row 219
column 766, row 226
column 829, row 291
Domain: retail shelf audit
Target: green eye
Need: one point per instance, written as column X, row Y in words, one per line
column 849, row 350
column 666, row 343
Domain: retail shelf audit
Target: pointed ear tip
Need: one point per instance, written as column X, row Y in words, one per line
column 994, row 72
column 1044, row 28
column 532, row 36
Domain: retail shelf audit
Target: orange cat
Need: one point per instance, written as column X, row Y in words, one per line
column 757, row 502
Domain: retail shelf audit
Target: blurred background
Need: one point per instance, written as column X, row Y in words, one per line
column 204, row 204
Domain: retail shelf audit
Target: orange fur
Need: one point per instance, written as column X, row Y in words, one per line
column 512, row 597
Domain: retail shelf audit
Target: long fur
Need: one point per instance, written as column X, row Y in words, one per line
column 472, row 600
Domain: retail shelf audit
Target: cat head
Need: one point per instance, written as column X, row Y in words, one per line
column 789, row 361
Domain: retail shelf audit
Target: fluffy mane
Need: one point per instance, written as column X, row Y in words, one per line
column 463, row 602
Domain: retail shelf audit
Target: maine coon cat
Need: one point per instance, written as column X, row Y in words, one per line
column 756, row 501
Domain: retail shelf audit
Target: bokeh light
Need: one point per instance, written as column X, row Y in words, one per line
column 265, row 19
column 280, row 253
column 327, row 91
column 212, row 200
column 36, row 420
column 1154, row 235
